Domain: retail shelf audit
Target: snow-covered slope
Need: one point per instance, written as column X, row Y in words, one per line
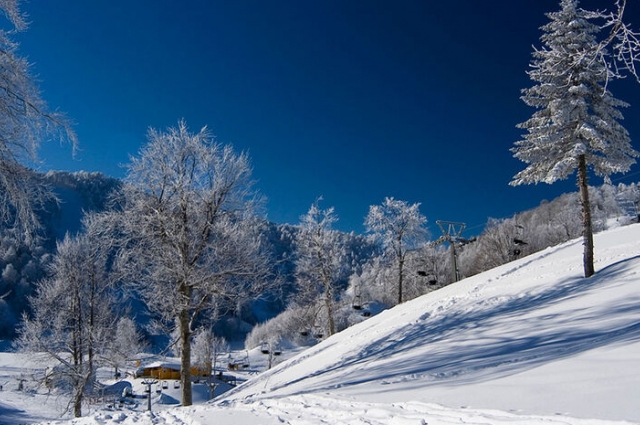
column 531, row 337
column 531, row 342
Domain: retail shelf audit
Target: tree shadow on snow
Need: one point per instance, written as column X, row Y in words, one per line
column 498, row 337
column 10, row 416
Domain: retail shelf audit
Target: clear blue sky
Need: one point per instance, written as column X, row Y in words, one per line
column 350, row 100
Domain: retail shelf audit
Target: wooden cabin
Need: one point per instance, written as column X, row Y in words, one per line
column 169, row 370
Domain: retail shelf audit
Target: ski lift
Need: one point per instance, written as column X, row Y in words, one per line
column 176, row 385
column 356, row 304
column 304, row 333
column 165, row 385
column 518, row 242
column 430, row 275
column 264, row 348
column 317, row 332
column 158, row 389
column 518, row 239
column 277, row 352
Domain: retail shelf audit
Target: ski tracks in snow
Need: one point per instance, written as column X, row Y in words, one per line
column 165, row 417
column 327, row 410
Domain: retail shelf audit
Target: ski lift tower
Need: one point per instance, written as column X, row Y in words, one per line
column 452, row 233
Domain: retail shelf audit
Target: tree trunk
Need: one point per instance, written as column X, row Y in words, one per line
column 77, row 403
column 185, row 358
column 78, row 355
column 400, row 275
column 327, row 302
column 587, row 229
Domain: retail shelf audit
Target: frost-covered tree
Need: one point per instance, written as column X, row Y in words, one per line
column 495, row 246
column 318, row 260
column 206, row 349
column 25, row 121
column 124, row 344
column 189, row 238
column 400, row 227
column 576, row 126
column 72, row 316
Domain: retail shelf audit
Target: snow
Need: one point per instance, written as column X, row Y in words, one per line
column 531, row 342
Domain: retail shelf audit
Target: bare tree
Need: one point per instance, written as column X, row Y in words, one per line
column 72, row 316
column 189, row 236
column 400, row 228
column 318, row 257
column 495, row 246
column 576, row 126
column 24, row 122
column 206, row 349
column 124, row 344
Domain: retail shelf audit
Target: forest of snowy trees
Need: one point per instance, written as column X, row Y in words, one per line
column 365, row 273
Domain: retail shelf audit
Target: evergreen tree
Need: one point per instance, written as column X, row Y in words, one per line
column 577, row 123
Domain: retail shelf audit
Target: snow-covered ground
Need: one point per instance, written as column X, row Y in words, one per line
column 531, row 342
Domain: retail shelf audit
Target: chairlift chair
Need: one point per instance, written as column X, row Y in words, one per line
column 264, row 348
column 165, row 385
column 431, row 276
column 518, row 239
column 356, row 304
column 432, row 279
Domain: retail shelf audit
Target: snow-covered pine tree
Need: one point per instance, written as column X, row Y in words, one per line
column 577, row 123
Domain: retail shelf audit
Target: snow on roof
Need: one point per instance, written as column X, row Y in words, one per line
column 164, row 364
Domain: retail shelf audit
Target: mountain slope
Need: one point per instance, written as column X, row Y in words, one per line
column 532, row 337
column 531, row 342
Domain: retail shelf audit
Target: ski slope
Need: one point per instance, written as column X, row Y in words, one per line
column 531, row 342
